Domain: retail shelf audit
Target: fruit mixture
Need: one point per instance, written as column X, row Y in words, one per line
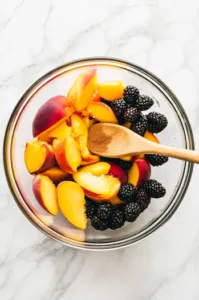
column 69, row 178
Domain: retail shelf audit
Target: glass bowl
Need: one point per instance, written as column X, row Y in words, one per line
column 175, row 175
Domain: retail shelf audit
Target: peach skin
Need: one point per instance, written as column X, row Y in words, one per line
column 102, row 112
column 118, row 172
column 45, row 193
column 54, row 110
column 83, row 89
column 139, row 172
column 72, row 203
column 68, row 155
column 38, row 156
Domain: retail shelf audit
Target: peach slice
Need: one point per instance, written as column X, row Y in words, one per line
column 97, row 169
column 98, row 187
column 102, row 112
column 152, row 138
column 72, row 203
column 82, row 90
column 55, row 174
column 117, row 172
column 45, row 193
column 126, row 157
column 50, row 113
column 115, row 201
column 88, row 121
column 111, row 90
column 55, row 142
column 68, row 155
column 127, row 125
column 78, row 126
column 96, row 97
column 38, row 156
column 60, row 132
column 139, row 172
column 80, row 132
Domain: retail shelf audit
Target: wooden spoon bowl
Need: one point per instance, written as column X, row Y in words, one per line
column 110, row 140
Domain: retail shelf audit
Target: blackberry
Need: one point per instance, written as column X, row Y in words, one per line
column 156, row 160
column 131, row 94
column 91, row 208
column 156, row 122
column 99, row 224
column 154, row 189
column 118, row 106
column 140, row 126
column 144, row 102
column 121, row 119
column 131, row 114
column 104, row 210
column 125, row 165
column 106, row 102
column 142, row 199
column 116, row 219
column 131, row 211
column 127, row 192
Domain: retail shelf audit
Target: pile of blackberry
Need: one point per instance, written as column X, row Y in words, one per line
column 134, row 200
column 105, row 216
column 130, row 109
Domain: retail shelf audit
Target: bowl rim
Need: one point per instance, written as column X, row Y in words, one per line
column 183, row 182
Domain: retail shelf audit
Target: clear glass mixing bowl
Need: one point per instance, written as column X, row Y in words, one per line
column 175, row 175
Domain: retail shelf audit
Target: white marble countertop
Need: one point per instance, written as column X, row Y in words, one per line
column 161, row 35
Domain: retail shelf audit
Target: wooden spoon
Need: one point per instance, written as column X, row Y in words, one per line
column 110, row 140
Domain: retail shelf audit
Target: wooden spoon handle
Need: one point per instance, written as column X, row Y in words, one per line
column 188, row 155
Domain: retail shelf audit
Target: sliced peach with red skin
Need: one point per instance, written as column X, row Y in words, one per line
column 45, row 193
column 97, row 187
column 97, row 169
column 102, row 113
column 38, row 156
column 55, row 174
column 139, row 172
column 50, row 113
column 118, row 172
column 72, row 203
column 68, row 155
column 126, row 157
column 60, row 132
column 111, row 90
column 83, row 89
